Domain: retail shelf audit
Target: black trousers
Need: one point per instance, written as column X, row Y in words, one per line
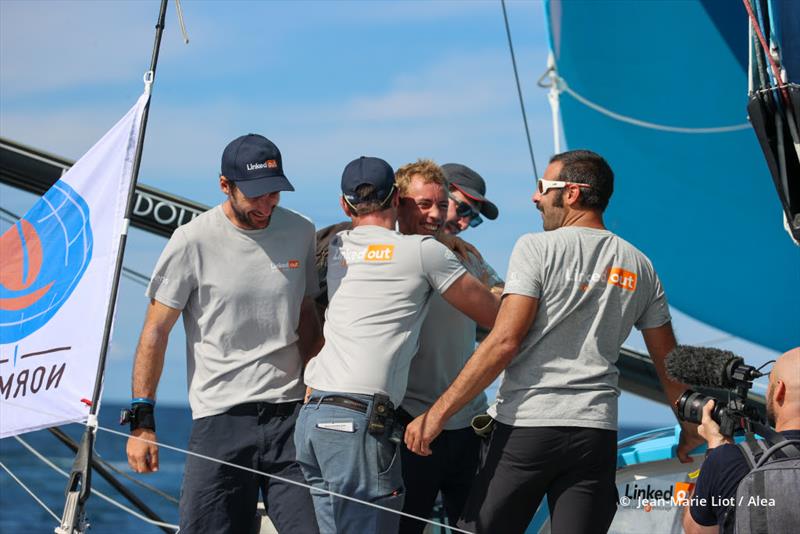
column 575, row 467
column 217, row 498
column 450, row 469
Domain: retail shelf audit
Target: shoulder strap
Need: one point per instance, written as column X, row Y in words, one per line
column 788, row 445
column 751, row 450
column 790, row 450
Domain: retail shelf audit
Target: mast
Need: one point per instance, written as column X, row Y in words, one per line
column 73, row 520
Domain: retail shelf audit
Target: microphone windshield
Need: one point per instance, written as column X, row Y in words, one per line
column 700, row 366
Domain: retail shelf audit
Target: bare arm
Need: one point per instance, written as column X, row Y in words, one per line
column 660, row 341
column 309, row 330
column 147, row 367
column 473, row 299
column 516, row 316
column 690, row 526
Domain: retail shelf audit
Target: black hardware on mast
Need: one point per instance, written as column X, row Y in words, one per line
column 73, row 520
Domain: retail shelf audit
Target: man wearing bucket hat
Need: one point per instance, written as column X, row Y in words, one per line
column 467, row 195
column 242, row 274
column 380, row 283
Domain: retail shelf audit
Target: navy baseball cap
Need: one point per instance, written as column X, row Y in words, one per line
column 254, row 163
column 366, row 170
column 472, row 185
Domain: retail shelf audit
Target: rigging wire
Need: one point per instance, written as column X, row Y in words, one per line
column 94, row 491
column 31, row 493
column 108, row 465
column 211, row 459
column 282, row 479
column 562, row 86
column 519, row 89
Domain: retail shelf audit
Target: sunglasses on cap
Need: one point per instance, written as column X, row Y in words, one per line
column 547, row 185
column 465, row 210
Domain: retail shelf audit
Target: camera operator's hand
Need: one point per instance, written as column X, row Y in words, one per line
column 689, row 440
column 710, row 430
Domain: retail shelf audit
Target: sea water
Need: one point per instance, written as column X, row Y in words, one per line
column 20, row 513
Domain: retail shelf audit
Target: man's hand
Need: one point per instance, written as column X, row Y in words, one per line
column 421, row 432
column 689, row 441
column 143, row 456
column 709, row 429
column 460, row 247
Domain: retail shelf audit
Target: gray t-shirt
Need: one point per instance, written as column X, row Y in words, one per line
column 592, row 288
column 240, row 292
column 379, row 285
column 446, row 342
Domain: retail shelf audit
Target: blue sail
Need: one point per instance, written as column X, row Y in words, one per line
column 701, row 205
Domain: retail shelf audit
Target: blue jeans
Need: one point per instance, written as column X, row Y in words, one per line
column 344, row 458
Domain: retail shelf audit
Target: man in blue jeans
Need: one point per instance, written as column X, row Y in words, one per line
column 379, row 285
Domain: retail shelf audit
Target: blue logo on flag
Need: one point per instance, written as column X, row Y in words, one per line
column 42, row 259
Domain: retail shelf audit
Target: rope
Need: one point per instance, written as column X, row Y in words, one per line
column 519, row 89
column 646, row 124
column 94, row 491
column 179, row 11
column 31, row 493
column 775, row 71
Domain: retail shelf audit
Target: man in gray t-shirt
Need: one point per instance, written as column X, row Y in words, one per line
column 429, row 195
column 572, row 296
column 242, row 275
column 380, row 283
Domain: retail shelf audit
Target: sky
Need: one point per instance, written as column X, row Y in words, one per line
column 326, row 81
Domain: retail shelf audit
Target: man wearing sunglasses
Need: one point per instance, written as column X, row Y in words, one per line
column 446, row 341
column 572, row 295
column 467, row 199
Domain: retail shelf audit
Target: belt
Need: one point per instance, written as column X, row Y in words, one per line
column 344, row 402
column 264, row 409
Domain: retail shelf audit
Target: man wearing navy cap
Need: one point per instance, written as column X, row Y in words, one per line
column 242, row 274
column 379, row 284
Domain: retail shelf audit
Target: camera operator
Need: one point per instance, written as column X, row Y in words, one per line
column 725, row 465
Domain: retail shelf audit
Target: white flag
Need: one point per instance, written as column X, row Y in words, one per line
column 56, row 275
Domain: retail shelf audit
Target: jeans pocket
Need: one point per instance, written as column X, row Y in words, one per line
column 387, row 452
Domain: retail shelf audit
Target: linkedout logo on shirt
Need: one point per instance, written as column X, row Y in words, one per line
column 619, row 277
column 373, row 253
column 615, row 276
column 286, row 265
column 379, row 253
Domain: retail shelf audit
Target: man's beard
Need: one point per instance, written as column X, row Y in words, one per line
column 548, row 219
column 771, row 405
column 243, row 218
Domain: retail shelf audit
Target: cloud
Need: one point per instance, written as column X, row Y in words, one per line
column 34, row 35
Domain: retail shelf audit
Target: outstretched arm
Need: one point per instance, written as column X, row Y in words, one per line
column 147, row 367
column 469, row 296
column 660, row 341
column 515, row 318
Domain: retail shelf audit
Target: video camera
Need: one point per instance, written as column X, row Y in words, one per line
column 714, row 368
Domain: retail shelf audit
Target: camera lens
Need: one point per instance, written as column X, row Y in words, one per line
column 690, row 407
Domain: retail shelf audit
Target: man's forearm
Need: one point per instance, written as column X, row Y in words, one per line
column 149, row 363
column 309, row 331
column 488, row 361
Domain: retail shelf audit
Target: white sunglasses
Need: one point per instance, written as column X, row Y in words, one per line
column 547, row 185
